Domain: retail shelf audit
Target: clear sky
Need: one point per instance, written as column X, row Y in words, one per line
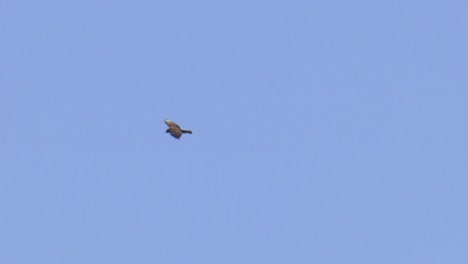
column 324, row 132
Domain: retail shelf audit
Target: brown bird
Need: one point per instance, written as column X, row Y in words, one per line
column 175, row 129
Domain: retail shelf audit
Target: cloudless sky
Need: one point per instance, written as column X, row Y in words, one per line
column 324, row 132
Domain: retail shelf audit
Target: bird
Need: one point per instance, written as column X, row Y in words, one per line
column 175, row 130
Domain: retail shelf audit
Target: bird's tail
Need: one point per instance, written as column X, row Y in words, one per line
column 186, row 131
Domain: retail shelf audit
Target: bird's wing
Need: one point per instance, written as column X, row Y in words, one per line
column 177, row 133
column 172, row 124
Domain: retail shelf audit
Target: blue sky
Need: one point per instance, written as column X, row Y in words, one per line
column 324, row 132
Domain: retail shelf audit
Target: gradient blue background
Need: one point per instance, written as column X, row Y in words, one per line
column 324, row 132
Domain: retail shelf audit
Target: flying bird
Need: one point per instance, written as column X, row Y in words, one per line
column 175, row 130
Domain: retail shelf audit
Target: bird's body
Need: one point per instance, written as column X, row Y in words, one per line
column 175, row 129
